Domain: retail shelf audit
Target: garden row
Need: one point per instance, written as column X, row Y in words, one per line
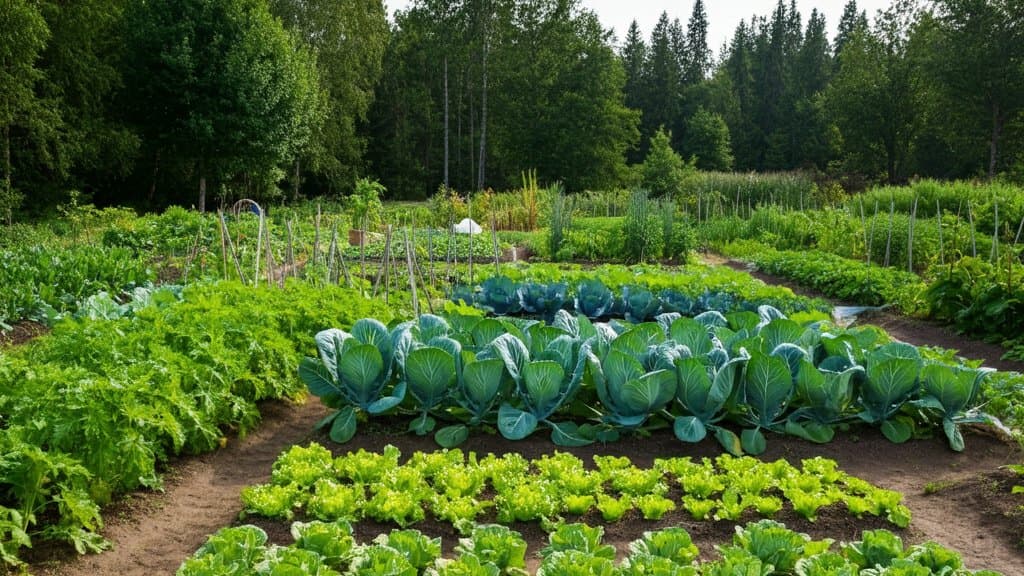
column 757, row 549
column 975, row 296
column 98, row 406
column 460, row 490
column 758, row 371
column 592, row 298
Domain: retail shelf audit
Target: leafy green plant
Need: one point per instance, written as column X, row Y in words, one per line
column 351, row 375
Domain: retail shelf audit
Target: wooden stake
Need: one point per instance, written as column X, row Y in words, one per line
column 412, row 275
column 231, row 246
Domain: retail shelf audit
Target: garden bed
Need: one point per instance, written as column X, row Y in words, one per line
column 965, row 509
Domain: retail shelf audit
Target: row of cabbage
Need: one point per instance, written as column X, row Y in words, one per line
column 592, row 298
column 757, row 549
column 463, row 490
column 756, row 371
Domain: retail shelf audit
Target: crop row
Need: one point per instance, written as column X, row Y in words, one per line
column 458, row 489
column 98, row 406
column 692, row 281
column 762, row 372
column 41, row 283
column 757, row 549
column 835, row 276
column 973, row 295
column 592, row 298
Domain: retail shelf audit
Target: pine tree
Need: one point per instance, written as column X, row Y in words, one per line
column 698, row 63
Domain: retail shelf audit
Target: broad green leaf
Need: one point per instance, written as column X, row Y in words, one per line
column 317, row 378
column 650, row 392
column 954, row 389
column 692, row 334
column 344, row 426
column 430, row 374
column 753, row 441
column 693, row 387
column 897, row 430
column 637, row 339
column 767, row 386
column 451, row 436
column 514, row 423
column 373, row 332
column 889, row 384
column 729, row 441
column 542, row 386
column 482, row 380
column 361, row 371
column 422, row 425
column 780, row 331
column 567, row 434
column 811, row 431
column 689, row 429
column 956, row 439
column 513, row 353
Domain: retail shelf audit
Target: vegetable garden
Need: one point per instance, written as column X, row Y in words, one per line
column 470, row 415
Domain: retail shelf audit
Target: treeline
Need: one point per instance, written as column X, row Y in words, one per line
column 176, row 101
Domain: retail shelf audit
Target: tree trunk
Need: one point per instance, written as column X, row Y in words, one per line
column 446, row 183
column 8, row 197
column 202, row 193
column 997, row 129
column 483, row 114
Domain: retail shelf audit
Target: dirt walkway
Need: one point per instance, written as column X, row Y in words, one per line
column 154, row 532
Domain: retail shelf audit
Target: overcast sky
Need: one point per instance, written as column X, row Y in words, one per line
column 723, row 15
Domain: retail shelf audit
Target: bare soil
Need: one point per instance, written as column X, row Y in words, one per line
column 21, row 332
column 962, row 501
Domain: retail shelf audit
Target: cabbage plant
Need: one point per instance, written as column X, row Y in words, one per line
column 353, row 373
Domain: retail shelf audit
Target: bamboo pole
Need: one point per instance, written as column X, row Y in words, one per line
column 412, row 275
column 938, row 218
column 970, row 220
column 290, row 255
column 259, row 245
column 330, row 253
column 910, row 237
column 494, row 238
column 316, row 237
column 888, row 240
column 231, row 246
column 994, row 256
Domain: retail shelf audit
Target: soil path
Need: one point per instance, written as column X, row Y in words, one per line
column 153, row 533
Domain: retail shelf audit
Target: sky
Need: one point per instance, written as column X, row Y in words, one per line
column 723, row 15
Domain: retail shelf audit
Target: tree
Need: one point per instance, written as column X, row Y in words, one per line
column 698, row 62
column 707, row 140
column 235, row 95
column 664, row 171
column 348, row 40
column 974, row 56
column 25, row 119
column 634, row 58
column 875, row 97
column 662, row 81
column 850, row 23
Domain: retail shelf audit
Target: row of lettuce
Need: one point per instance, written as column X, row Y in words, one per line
column 98, row 406
column 466, row 489
column 757, row 549
column 706, row 375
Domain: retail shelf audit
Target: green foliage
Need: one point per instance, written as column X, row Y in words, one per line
column 643, row 234
column 241, row 104
column 457, row 488
column 707, row 139
column 836, row 276
column 759, row 548
column 364, row 204
column 196, row 368
column 664, row 172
